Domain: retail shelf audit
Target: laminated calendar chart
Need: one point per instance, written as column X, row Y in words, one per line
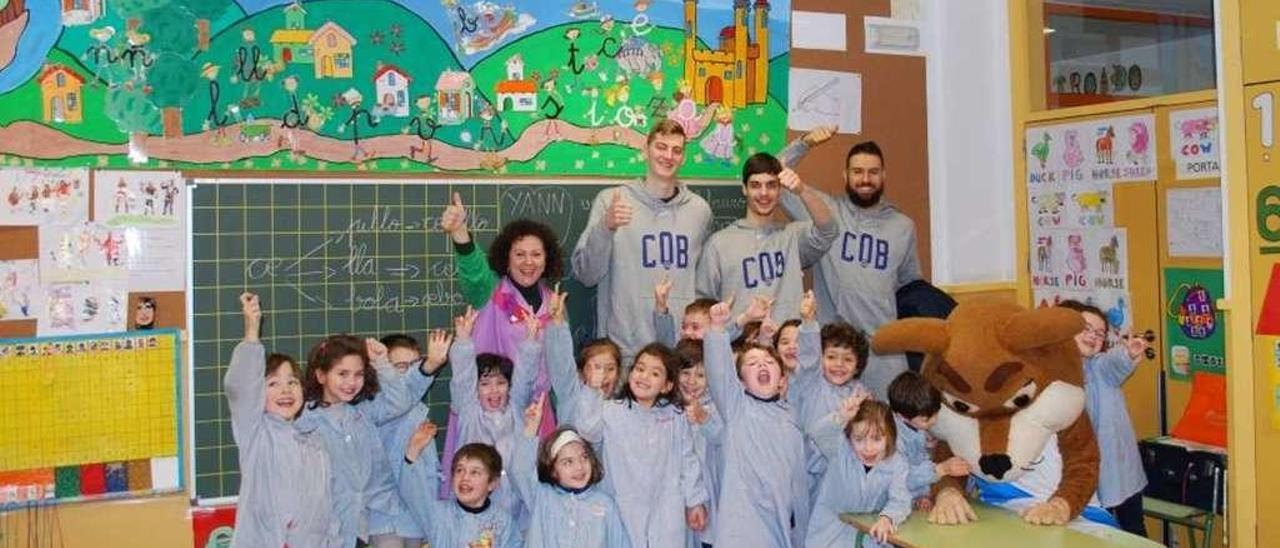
column 89, row 417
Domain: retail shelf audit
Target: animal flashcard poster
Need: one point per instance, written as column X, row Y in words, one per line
column 1193, row 143
column 1101, row 150
column 1074, row 205
column 1080, row 264
column 148, row 210
column 37, row 196
column 19, row 289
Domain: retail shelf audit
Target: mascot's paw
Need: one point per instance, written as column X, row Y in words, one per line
column 1054, row 512
column 951, row 508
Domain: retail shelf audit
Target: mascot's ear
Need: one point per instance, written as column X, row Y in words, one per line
column 924, row 335
column 1040, row 327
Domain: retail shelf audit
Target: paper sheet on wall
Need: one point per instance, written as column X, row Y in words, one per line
column 818, row 30
column 1088, row 265
column 81, row 252
column 825, row 97
column 1102, row 150
column 1193, row 143
column 96, row 306
column 1075, row 205
column 149, row 208
column 1193, row 222
column 893, row 36
column 19, row 289
column 37, row 196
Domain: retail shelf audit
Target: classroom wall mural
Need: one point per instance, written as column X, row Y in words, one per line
column 520, row 87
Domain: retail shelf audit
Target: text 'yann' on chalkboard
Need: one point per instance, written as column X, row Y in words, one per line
column 365, row 258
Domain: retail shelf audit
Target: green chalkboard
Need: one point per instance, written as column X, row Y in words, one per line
column 361, row 258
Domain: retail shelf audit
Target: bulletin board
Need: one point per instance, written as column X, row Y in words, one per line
column 90, row 416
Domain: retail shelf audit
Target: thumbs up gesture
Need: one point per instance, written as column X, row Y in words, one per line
column 454, row 221
column 619, row 212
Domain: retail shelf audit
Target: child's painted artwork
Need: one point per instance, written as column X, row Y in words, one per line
column 148, row 210
column 1094, row 151
column 515, row 86
column 82, row 252
column 19, row 289
column 98, row 306
column 36, row 196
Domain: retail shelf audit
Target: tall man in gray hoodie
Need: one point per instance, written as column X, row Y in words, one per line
column 873, row 255
column 637, row 232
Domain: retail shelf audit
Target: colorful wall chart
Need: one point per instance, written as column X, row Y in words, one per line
column 1195, row 339
column 521, row 87
column 1102, row 150
column 89, row 415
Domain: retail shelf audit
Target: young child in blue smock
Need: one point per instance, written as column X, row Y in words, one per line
column 350, row 389
column 707, row 424
column 284, row 471
column 864, row 473
column 560, row 480
column 469, row 517
column 828, row 364
column 762, row 484
column 488, row 393
column 1121, row 478
column 406, row 356
column 915, row 404
column 598, row 366
column 647, row 441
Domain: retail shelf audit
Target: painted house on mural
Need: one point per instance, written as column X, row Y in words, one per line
column 736, row 74
column 292, row 44
column 80, row 12
column 331, row 47
column 392, row 85
column 60, row 95
column 515, row 93
column 455, row 94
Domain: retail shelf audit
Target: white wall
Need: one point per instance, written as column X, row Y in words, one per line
column 970, row 141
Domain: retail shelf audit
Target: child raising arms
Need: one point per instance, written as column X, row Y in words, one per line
column 284, row 485
column 559, row 478
column 468, row 518
column 648, row 446
column 763, row 481
column 864, row 473
column 347, row 399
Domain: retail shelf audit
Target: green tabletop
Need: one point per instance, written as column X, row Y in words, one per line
column 995, row 528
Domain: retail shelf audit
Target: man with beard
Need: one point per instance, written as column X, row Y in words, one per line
column 758, row 256
column 873, row 255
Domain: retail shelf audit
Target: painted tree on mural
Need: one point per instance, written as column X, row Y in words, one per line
column 130, row 108
column 205, row 11
column 169, row 80
column 132, row 10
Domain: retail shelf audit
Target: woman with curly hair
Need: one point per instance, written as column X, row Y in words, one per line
column 506, row 285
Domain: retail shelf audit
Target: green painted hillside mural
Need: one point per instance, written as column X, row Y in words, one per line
column 526, row 87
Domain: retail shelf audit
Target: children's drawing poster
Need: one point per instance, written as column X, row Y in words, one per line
column 1079, row 260
column 73, row 308
column 1193, row 222
column 521, row 87
column 1115, row 305
column 35, row 196
column 19, row 289
column 1195, row 327
column 148, row 211
column 1100, row 150
column 81, row 252
column 1193, row 143
column 1075, row 205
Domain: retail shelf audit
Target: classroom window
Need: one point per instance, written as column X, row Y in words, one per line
column 1099, row 51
